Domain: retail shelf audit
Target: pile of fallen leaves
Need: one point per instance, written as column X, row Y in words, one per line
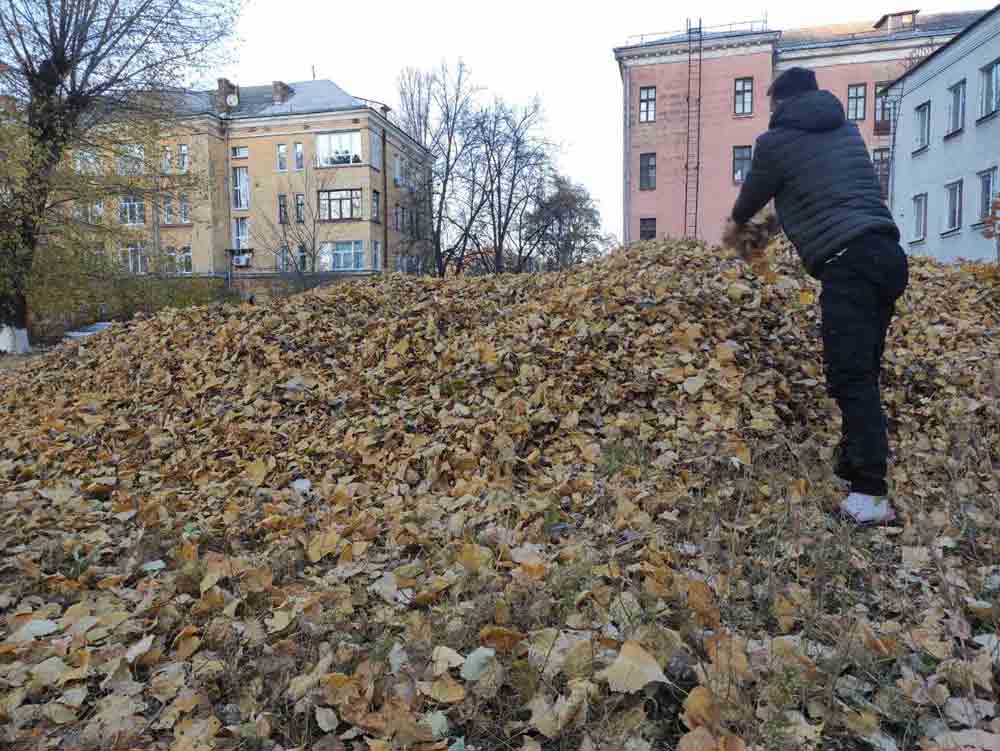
column 581, row 510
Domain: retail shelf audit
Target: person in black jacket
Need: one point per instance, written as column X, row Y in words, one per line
column 815, row 166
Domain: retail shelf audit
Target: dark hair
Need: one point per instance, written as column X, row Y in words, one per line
column 793, row 82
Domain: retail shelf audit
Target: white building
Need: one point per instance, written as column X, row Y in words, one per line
column 946, row 150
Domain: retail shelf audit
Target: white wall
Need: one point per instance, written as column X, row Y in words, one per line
column 962, row 156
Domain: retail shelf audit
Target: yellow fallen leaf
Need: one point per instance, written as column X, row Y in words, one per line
column 257, row 471
column 500, row 638
column 323, row 544
column 700, row 709
column 633, row 670
column 446, row 690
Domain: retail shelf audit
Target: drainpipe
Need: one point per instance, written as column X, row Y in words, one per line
column 626, row 224
column 384, row 208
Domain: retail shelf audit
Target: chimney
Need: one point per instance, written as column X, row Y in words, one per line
column 224, row 88
column 280, row 92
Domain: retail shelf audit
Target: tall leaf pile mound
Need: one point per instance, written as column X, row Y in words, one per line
column 581, row 510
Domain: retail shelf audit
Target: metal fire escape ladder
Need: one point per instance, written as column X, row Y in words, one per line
column 692, row 167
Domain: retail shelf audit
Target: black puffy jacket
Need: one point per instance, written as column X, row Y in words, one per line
column 814, row 163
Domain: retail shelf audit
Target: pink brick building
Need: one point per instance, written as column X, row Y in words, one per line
column 695, row 102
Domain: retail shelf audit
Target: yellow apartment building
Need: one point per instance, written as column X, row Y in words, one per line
column 296, row 176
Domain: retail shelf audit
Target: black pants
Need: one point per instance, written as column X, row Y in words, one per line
column 860, row 289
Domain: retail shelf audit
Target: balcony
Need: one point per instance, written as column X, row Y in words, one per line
column 883, row 127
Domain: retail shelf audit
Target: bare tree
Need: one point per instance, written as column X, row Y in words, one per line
column 516, row 161
column 81, row 67
column 290, row 235
column 438, row 109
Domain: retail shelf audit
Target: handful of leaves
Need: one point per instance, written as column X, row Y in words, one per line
column 750, row 239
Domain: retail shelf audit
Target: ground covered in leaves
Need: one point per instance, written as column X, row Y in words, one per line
column 583, row 510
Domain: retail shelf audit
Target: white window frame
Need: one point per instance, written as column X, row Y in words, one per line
column 136, row 259
column 299, row 156
column 375, row 139
column 241, row 233
column 184, row 209
column 131, row 211
column 955, row 115
column 239, row 152
column 283, row 208
column 300, row 208
column 282, row 156
column 131, row 160
column 168, row 161
column 741, row 177
column 989, row 89
column 987, row 193
column 241, row 188
column 953, row 199
column 86, row 162
column 919, row 217
column 182, row 260
column 168, row 210
column 922, row 138
column 182, row 157
column 338, row 148
column 647, row 104
column 376, row 255
column 330, row 204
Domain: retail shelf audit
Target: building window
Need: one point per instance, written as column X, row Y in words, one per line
column 919, row 217
column 922, row 138
column 376, row 206
column 86, row 163
column 647, row 104
column 185, row 209
column 182, row 158
column 241, row 233
column 743, row 97
column 130, row 160
column 167, row 162
column 89, row 213
column 339, row 204
column 306, row 263
column 647, row 229
column 342, row 256
column 742, row 157
column 282, row 157
column 183, row 260
column 885, row 110
column 131, row 210
column 956, row 108
column 282, row 208
column 300, row 157
column 881, row 160
column 953, row 206
column 300, row 207
column 857, row 94
column 989, row 89
column 240, row 152
column 168, row 210
column 376, row 255
column 987, row 193
column 136, row 259
column 647, row 172
column 338, row 148
column 376, row 149
column 241, row 188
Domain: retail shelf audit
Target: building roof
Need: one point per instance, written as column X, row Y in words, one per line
column 983, row 17
column 929, row 23
column 306, row 97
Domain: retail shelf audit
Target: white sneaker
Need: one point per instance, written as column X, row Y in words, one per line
column 867, row 509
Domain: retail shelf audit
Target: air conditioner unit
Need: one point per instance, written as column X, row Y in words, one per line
column 241, row 261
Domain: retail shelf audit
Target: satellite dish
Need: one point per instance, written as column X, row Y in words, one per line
column 232, row 100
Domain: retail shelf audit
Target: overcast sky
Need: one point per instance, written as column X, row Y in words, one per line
column 558, row 50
